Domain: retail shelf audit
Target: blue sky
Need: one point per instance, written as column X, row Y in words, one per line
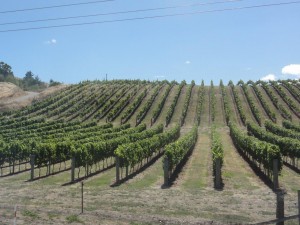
column 233, row 45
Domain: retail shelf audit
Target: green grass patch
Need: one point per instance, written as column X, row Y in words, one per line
column 73, row 219
column 31, row 214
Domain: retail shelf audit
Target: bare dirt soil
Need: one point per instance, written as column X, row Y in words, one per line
column 12, row 97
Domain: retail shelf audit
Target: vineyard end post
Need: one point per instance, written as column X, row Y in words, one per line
column 275, row 174
column 218, row 173
column 117, row 169
column 166, row 171
column 82, row 197
column 280, row 205
column 13, row 170
column 126, row 171
column 299, row 205
column 73, row 169
column 32, row 167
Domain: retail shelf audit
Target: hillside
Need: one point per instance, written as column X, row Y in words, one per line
column 12, row 97
column 115, row 136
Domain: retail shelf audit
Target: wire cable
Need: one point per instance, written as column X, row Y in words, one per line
column 120, row 12
column 55, row 6
column 153, row 17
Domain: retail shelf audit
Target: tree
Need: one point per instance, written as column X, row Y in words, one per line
column 28, row 76
column 5, row 69
column 53, row 83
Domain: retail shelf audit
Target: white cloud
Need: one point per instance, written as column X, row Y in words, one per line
column 268, row 77
column 159, row 77
column 292, row 69
column 187, row 62
column 51, row 42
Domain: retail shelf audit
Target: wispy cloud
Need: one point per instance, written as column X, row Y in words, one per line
column 159, row 77
column 51, row 42
column 187, row 62
column 292, row 69
column 268, row 77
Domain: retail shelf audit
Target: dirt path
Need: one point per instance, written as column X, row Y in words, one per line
column 132, row 119
column 220, row 114
column 235, row 114
column 279, row 117
column 236, row 173
column 162, row 116
column 19, row 101
column 148, row 117
column 245, row 105
column 282, row 102
column 197, row 173
column 264, row 115
column 191, row 113
column 205, row 115
column 178, row 108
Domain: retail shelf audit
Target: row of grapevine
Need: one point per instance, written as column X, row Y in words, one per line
column 178, row 150
column 116, row 110
column 251, row 103
column 238, row 102
column 144, row 110
column 174, row 102
column 200, row 103
column 212, row 101
column 111, row 102
column 60, row 103
column 290, row 102
column 85, row 101
column 131, row 109
column 217, row 151
column 293, row 90
column 133, row 153
column 278, row 130
column 158, row 109
column 289, row 125
column 263, row 101
column 227, row 108
column 55, row 130
column 77, row 103
column 91, row 153
column 288, row 146
column 88, row 112
column 283, row 111
column 261, row 152
column 53, row 99
column 186, row 102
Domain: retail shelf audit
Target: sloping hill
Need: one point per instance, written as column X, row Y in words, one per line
column 12, row 97
column 72, row 121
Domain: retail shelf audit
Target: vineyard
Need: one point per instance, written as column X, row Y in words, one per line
column 152, row 153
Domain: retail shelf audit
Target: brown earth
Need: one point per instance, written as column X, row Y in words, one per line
column 12, row 97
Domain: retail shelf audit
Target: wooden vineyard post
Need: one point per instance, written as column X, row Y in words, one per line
column 117, row 169
column 82, row 197
column 166, row 172
column 13, row 169
column 73, row 169
column 299, row 206
column 275, row 174
column 218, row 173
column 32, row 157
column 280, row 206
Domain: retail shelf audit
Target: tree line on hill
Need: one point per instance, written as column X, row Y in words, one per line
column 30, row 81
